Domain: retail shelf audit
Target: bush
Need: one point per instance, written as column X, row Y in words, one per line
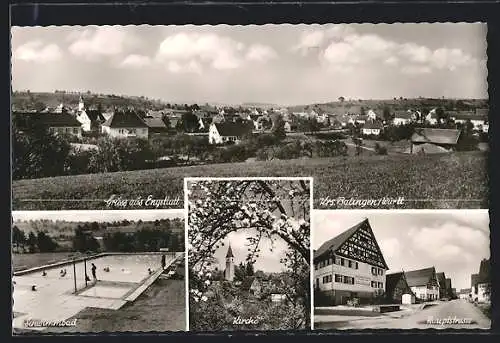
column 380, row 150
column 354, row 302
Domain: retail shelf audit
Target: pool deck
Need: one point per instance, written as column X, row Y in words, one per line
column 57, row 304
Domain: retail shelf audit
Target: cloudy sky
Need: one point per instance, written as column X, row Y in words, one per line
column 268, row 261
column 279, row 64
column 99, row 216
column 454, row 242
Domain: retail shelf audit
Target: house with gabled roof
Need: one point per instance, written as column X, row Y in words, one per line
column 442, row 285
column 56, row 123
column 350, row 265
column 126, row 124
column 481, row 282
column 430, row 140
column 155, row 125
column 403, row 117
column 397, row 290
column 224, row 132
column 372, row 128
column 424, row 283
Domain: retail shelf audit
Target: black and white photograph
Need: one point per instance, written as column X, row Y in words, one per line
column 380, row 115
column 249, row 254
column 98, row 271
column 413, row 269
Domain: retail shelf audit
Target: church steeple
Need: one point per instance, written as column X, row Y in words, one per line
column 229, row 271
column 81, row 105
column 229, row 252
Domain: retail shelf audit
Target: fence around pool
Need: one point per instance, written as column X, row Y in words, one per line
column 60, row 290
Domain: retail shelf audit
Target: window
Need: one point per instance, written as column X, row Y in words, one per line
column 75, row 130
column 380, row 272
column 337, row 260
column 374, row 284
column 338, row 278
column 315, row 266
column 356, row 265
column 327, row 278
column 342, row 262
column 380, row 285
column 374, row 271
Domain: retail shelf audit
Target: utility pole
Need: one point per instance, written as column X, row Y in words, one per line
column 74, row 274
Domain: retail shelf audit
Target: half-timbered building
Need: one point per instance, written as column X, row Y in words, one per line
column 350, row 265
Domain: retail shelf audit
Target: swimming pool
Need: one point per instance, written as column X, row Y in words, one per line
column 55, row 297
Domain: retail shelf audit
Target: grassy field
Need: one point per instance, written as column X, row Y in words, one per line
column 457, row 180
column 26, row 261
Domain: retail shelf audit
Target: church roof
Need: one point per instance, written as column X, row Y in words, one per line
column 229, row 252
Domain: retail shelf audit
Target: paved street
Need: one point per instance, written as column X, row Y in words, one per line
column 455, row 314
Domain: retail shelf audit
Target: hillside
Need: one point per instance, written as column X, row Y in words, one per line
column 30, row 100
column 395, row 104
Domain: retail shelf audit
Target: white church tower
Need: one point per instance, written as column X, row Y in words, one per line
column 229, row 272
column 81, row 105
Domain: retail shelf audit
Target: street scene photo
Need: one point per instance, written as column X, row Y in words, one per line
column 406, row 269
column 391, row 116
column 98, row 271
column 249, row 254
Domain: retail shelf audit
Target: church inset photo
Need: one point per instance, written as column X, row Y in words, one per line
column 249, row 254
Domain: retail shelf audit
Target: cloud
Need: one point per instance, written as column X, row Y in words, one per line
column 260, row 53
column 317, row 38
column 93, row 44
column 448, row 241
column 346, row 49
column 36, row 51
column 390, row 247
column 196, row 48
column 135, row 61
column 184, row 67
column 193, row 52
column 392, row 60
column 415, row 70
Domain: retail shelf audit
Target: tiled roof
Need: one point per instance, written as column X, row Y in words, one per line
column 436, row 136
column 156, row 123
column 232, row 129
column 125, row 119
column 335, row 243
column 420, row 277
column 373, row 125
column 50, row 119
column 441, row 279
column 95, row 115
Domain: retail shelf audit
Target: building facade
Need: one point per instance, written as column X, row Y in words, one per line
column 125, row 125
column 350, row 265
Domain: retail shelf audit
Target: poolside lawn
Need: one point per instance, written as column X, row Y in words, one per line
column 26, row 261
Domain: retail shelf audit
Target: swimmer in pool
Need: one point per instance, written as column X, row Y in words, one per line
column 44, row 273
column 150, row 271
column 33, row 288
column 106, row 269
column 63, row 272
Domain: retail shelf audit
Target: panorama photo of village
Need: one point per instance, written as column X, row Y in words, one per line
column 402, row 270
column 396, row 111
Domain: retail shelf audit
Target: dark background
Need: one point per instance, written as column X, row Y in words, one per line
column 75, row 12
